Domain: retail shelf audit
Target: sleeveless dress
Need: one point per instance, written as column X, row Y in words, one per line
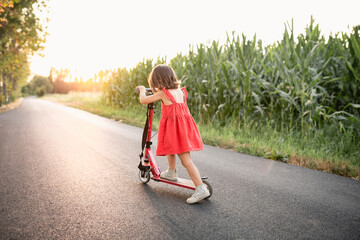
column 178, row 132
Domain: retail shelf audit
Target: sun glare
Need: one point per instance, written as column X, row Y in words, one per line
column 118, row 34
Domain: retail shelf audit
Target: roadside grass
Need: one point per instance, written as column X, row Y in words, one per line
column 91, row 102
column 321, row 150
column 11, row 106
column 316, row 150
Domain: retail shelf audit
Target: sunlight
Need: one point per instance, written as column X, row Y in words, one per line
column 121, row 33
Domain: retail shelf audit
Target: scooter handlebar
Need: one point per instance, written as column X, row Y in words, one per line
column 148, row 91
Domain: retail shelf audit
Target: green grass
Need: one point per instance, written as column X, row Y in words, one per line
column 317, row 150
column 91, row 102
column 323, row 150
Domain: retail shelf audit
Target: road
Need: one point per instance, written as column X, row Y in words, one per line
column 69, row 174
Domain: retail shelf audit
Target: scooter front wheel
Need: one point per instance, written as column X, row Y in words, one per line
column 209, row 187
column 144, row 176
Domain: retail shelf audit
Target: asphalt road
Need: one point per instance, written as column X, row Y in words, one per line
column 69, row 174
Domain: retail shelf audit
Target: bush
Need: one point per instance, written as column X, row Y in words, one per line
column 40, row 82
column 25, row 90
column 2, row 100
column 40, row 91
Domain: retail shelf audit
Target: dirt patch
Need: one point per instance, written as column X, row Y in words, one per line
column 341, row 168
column 11, row 106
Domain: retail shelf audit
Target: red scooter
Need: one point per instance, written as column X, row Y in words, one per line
column 148, row 165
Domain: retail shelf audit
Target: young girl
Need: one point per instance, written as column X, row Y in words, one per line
column 178, row 133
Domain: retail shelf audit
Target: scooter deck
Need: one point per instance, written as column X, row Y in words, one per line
column 181, row 182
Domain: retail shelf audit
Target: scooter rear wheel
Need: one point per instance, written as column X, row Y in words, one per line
column 209, row 187
column 146, row 177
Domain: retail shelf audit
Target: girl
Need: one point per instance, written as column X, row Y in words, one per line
column 178, row 133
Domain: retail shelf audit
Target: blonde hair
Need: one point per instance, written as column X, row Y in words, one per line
column 163, row 76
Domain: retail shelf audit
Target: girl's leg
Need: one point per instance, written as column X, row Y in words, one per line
column 191, row 168
column 172, row 161
column 170, row 174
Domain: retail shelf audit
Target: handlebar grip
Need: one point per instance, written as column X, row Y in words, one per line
column 147, row 90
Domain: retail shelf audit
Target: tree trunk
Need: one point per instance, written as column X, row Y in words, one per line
column 4, row 88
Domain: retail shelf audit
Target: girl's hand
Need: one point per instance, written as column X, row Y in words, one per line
column 140, row 89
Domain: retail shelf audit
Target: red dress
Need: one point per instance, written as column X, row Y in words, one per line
column 178, row 132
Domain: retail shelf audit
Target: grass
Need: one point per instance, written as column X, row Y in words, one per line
column 320, row 150
column 91, row 102
column 11, row 106
column 316, row 150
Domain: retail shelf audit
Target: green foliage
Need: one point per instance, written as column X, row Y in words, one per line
column 40, row 85
column 40, row 91
column 321, row 149
column 2, row 100
column 21, row 34
column 25, row 90
column 299, row 84
column 119, row 90
column 302, row 82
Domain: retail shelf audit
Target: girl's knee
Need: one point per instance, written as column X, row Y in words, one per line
column 171, row 156
column 184, row 155
column 185, row 159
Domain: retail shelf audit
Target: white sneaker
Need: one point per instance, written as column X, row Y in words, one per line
column 201, row 192
column 169, row 174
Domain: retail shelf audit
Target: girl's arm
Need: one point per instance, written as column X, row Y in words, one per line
column 148, row 99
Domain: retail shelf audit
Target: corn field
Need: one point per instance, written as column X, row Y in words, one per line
column 304, row 82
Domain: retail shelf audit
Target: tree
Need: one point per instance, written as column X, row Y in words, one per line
column 4, row 4
column 21, row 35
column 40, row 85
column 57, row 78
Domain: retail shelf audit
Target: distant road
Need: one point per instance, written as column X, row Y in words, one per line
column 69, row 174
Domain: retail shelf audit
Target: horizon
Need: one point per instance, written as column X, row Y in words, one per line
column 86, row 41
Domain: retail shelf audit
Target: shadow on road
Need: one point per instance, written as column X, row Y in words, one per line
column 173, row 211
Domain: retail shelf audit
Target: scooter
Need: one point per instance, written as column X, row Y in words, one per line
column 148, row 168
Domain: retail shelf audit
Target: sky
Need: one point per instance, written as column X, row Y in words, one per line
column 87, row 36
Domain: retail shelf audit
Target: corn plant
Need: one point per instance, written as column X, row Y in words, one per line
column 304, row 82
